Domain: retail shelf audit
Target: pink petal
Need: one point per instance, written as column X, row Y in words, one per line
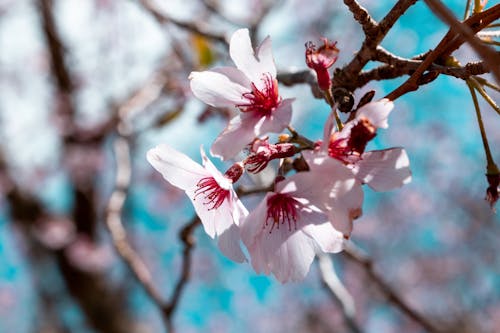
column 286, row 253
column 328, row 239
column 235, row 75
column 234, row 138
column 277, row 121
column 384, row 170
column 252, row 225
column 243, row 55
column 265, row 56
column 346, row 200
column 340, row 194
column 207, row 217
column 217, row 89
column 175, row 167
column 294, row 256
column 239, row 210
column 377, row 112
column 229, row 244
column 210, row 167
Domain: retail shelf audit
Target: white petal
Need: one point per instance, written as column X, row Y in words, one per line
column 265, row 56
column 239, row 210
column 210, row 167
column 235, row 75
column 287, row 253
column 346, row 200
column 291, row 261
column 234, row 138
column 328, row 239
column 229, row 244
column 253, row 225
column 244, row 57
column 207, row 216
column 176, row 168
column 278, row 120
column 376, row 112
column 217, row 89
column 384, row 170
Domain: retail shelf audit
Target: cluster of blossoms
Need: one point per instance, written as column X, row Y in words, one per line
column 308, row 212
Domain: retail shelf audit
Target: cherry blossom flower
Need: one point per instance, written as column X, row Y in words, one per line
column 210, row 191
column 382, row 170
column 285, row 231
column 251, row 87
column 321, row 60
column 262, row 152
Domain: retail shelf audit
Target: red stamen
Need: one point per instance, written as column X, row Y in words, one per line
column 265, row 100
column 212, row 192
column 282, row 208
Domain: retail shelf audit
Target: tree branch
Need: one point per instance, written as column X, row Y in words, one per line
column 488, row 54
column 189, row 26
column 356, row 254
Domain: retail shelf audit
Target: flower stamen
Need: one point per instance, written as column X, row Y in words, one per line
column 212, row 192
column 263, row 100
column 281, row 209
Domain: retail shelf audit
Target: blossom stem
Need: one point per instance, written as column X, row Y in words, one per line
column 487, row 83
column 299, row 139
column 467, row 10
column 485, row 95
column 491, row 166
column 331, row 102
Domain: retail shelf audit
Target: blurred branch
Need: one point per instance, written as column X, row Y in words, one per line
column 356, row 254
column 488, row 54
column 192, row 27
column 306, row 76
column 338, row 291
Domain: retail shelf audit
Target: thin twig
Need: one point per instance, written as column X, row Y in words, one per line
column 446, row 46
column 362, row 16
column 338, row 291
column 192, row 27
column 356, row 254
column 488, row 54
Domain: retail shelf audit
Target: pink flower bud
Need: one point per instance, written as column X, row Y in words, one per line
column 321, row 59
column 262, row 152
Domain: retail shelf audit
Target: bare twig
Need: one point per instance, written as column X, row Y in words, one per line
column 186, row 236
column 356, row 254
column 488, row 54
column 189, row 26
column 446, row 46
column 362, row 16
column 338, row 291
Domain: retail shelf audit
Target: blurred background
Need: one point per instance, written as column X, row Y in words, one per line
column 122, row 71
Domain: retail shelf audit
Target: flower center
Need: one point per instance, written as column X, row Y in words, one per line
column 281, row 209
column 211, row 191
column 264, row 100
column 349, row 150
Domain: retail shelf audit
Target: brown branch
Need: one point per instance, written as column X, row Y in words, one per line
column 186, row 236
column 362, row 16
column 357, row 255
column 303, row 76
column 488, row 54
column 448, row 44
column 348, row 73
column 121, row 243
column 192, row 27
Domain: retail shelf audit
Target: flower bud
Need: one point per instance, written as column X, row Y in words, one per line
column 320, row 60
